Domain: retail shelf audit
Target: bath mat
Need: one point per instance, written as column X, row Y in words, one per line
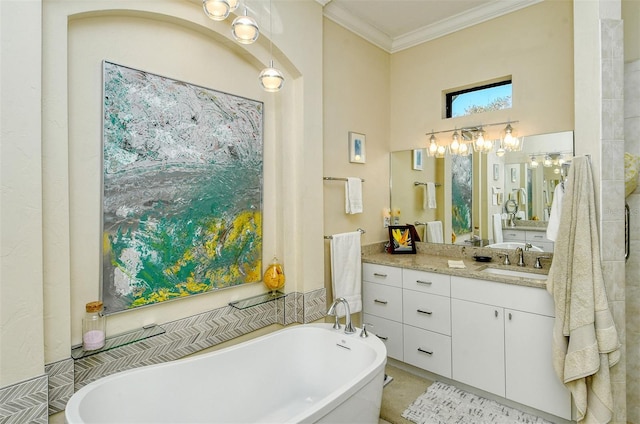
column 445, row 404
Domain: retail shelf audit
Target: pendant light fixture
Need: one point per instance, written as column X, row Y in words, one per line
column 271, row 79
column 218, row 10
column 245, row 29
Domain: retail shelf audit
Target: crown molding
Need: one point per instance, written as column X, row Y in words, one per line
column 427, row 33
column 356, row 25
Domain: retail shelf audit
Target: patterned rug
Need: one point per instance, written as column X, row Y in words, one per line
column 445, row 404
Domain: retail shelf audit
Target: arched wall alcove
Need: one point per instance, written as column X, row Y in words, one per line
column 173, row 39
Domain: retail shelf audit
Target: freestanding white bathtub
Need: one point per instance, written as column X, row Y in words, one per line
column 303, row 374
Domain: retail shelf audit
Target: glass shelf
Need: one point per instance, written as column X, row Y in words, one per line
column 120, row 340
column 256, row 300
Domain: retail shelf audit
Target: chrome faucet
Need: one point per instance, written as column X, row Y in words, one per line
column 520, row 252
column 348, row 327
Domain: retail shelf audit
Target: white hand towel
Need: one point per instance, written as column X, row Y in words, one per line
column 431, row 195
column 556, row 211
column 353, row 195
column 346, row 270
column 497, row 228
column 434, row 232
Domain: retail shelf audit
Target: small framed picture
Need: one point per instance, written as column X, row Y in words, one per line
column 514, row 175
column 417, row 159
column 400, row 240
column 357, row 147
column 496, row 172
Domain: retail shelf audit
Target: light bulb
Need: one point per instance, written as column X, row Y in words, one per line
column 245, row 29
column 271, row 79
column 233, row 4
column 218, row 10
column 433, row 146
column 534, row 162
column 454, row 147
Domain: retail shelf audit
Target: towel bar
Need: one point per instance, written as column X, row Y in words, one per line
column 359, row 229
column 337, row 179
column 417, row 183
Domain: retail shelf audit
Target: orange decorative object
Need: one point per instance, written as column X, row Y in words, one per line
column 274, row 276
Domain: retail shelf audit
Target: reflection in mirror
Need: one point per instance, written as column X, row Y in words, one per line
column 523, row 177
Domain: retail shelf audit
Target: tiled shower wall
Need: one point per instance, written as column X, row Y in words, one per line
column 632, row 145
column 33, row 400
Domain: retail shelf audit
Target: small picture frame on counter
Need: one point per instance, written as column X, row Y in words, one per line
column 401, row 239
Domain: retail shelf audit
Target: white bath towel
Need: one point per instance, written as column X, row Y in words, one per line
column 346, row 274
column 434, row 232
column 556, row 210
column 353, row 195
column 585, row 341
column 497, row 228
column 429, row 198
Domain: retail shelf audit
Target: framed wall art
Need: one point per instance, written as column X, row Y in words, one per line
column 417, row 160
column 357, row 148
column 182, row 189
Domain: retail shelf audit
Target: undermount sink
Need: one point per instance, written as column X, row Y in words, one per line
column 514, row 273
column 513, row 245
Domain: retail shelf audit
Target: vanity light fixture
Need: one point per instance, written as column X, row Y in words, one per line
column 480, row 144
column 534, row 162
column 245, row 29
column 476, row 136
column 271, row 79
column 218, row 10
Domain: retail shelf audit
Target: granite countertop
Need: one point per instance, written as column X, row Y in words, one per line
column 435, row 258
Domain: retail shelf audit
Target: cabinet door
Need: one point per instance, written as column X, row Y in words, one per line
column 530, row 378
column 477, row 345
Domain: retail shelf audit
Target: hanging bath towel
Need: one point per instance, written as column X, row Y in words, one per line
column 346, row 270
column 353, row 195
column 585, row 339
column 434, row 232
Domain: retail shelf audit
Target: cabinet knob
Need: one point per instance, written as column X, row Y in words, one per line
column 510, row 316
column 496, row 312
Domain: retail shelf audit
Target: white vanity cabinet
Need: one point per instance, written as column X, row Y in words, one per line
column 501, row 343
column 536, row 238
column 382, row 305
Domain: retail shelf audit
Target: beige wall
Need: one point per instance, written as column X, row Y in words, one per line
column 356, row 98
column 631, row 17
column 21, row 352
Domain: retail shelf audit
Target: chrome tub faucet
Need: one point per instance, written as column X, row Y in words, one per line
column 348, row 327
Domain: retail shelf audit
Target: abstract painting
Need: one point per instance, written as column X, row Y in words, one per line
column 182, row 189
column 461, row 194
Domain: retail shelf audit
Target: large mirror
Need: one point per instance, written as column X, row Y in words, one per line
column 520, row 183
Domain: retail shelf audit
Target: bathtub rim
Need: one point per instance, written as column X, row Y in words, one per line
column 314, row 413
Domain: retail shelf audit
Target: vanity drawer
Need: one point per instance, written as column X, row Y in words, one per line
column 382, row 274
column 427, row 350
column 390, row 332
column 428, row 311
column 382, row 301
column 514, row 235
column 537, row 237
column 428, row 282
